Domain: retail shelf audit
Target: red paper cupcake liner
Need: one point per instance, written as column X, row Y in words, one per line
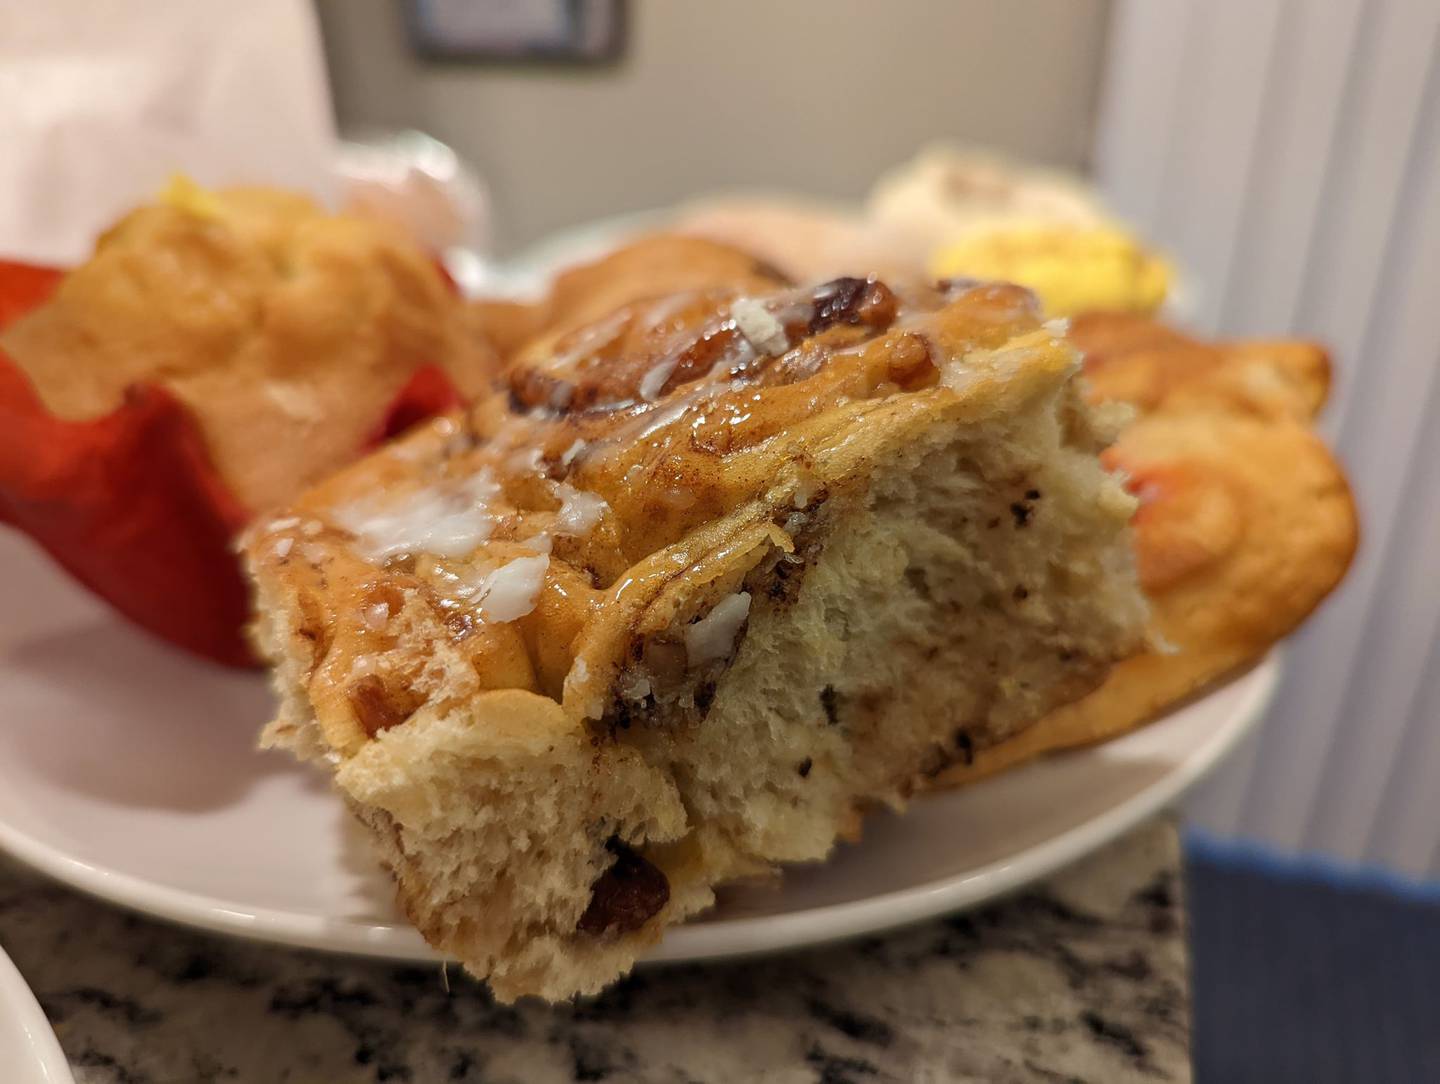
column 129, row 503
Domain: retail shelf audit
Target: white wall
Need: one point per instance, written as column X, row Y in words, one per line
column 1289, row 152
column 815, row 95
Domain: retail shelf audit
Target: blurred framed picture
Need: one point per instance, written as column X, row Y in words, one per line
column 576, row 31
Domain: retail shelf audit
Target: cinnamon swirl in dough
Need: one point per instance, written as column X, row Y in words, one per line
column 715, row 571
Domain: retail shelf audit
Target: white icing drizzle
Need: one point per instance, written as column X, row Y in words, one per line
column 666, row 307
column 713, row 637
column 525, row 461
column 568, row 456
column 449, row 519
column 376, row 616
column 593, row 338
column 643, row 427
column 579, row 511
column 632, row 686
column 760, row 326
column 958, row 376
column 654, row 380
column 960, row 372
column 509, row 592
column 282, row 546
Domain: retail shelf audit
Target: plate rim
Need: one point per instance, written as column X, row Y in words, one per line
column 747, row 936
column 34, row 1027
column 1005, row 876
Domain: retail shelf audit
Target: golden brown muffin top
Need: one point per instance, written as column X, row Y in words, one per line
column 286, row 331
column 1152, row 366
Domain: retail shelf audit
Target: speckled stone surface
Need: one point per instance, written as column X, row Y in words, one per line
column 1083, row 979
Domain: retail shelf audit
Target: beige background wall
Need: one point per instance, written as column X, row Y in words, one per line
column 813, row 95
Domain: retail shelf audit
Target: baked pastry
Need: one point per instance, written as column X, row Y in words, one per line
column 950, row 213
column 657, row 265
column 1073, row 269
column 662, row 263
column 805, row 238
column 286, row 332
column 1245, row 524
column 947, row 193
column 715, row 572
column 970, row 213
column 218, row 352
column 1143, row 362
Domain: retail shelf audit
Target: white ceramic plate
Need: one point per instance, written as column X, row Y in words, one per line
column 29, row 1052
column 129, row 771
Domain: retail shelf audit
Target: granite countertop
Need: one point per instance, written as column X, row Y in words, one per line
column 1083, row 979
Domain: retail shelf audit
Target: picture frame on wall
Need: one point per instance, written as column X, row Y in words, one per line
column 518, row 31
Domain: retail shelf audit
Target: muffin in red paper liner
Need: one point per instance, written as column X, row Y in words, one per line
column 218, row 353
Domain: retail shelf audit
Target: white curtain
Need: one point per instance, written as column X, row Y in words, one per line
column 1288, row 154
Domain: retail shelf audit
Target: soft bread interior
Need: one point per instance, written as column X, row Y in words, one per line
column 498, row 820
column 966, row 587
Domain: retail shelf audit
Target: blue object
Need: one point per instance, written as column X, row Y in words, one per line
column 1308, row 970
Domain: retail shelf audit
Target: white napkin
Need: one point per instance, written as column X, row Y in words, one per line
column 101, row 101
